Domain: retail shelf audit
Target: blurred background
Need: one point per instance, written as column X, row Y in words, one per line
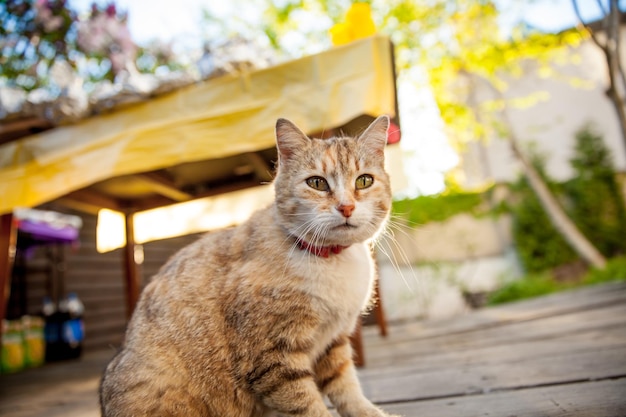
column 509, row 178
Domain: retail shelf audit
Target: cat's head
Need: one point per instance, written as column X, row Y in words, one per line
column 332, row 191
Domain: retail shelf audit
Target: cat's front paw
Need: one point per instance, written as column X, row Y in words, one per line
column 372, row 412
column 381, row 413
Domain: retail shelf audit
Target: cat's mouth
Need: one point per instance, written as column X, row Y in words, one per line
column 346, row 226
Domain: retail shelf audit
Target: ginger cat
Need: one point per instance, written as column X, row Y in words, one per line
column 254, row 320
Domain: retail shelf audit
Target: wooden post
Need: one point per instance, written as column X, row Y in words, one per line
column 379, row 313
column 131, row 269
column 8, row 238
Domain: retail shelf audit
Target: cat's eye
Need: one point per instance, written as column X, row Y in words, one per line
column 364, row 181
column 318, row 183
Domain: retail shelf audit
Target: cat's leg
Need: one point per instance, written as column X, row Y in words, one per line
column 336, row 377
column 286, row 385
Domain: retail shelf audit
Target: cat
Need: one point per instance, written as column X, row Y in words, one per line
column 255, row 320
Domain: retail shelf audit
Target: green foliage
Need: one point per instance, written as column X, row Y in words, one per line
column 534, row 285
column 615, row 270
column 32, row 37
column 34, row 34
column 597, row 205
column 539, row 245
column 480, row 55
column 527, row 287
column 437, row 208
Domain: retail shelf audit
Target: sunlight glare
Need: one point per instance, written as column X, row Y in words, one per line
column 110, row 230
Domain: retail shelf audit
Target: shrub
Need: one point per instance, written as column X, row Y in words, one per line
column 437, row 208
column 615, row 270
column 526, row 287
column 595, row 200
column 539, row 245
column 544, row 283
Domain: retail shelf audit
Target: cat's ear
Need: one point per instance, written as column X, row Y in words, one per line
column 289, row 138
column 375, row 136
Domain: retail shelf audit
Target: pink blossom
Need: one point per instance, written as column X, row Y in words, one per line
column 111, row 10
column 107, row 34
column 46, row 18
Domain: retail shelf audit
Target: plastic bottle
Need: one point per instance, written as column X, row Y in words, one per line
column 12, row 346
column 74, row 305
column 52, row 329
column 48, row 308
column 73, row 326
column 34, row 343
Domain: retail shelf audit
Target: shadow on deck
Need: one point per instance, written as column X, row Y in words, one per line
column 560, row 355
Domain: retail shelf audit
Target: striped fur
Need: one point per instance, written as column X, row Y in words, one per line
column 242, row 323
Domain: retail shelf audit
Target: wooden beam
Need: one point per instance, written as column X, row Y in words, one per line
column 8, row 238
column 162, row 185
column 90, row 201
column 229, row 188
column 10, row 131
column 261, row 168
column 132, row 273
column 160, row 201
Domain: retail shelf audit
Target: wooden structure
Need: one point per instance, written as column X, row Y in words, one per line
column 556, row 356
column 203, row 140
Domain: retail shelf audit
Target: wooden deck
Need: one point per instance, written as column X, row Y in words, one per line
column 560, row 355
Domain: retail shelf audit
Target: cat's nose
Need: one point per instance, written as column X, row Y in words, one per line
column 346, row 209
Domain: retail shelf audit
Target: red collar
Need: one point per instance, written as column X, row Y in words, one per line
column 321, row 251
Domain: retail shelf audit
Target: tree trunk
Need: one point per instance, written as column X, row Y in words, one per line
column 611, row 49
column 564, row 225
column 557, row 216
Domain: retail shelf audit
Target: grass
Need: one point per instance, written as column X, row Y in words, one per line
column 544, row 283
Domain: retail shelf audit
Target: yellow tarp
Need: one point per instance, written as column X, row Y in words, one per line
column 218, row 118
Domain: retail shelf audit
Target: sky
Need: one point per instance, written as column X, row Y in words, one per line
column 428, row 154
column 150, row 19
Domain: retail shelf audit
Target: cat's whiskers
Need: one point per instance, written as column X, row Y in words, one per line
column 317, row 238
column 306, row 228
column 388, row 238
column 317, row 228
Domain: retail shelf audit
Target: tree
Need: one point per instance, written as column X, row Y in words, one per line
column 606, row 35
column 34, row 34
column 483, row 58
column 459, row 44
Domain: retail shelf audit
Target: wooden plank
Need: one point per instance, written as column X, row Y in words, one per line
column 533, row 309
column 60, row 389
column 585, row 339
column 552, row 328
column 584, row 399
column 477, row 378
column 571, row 363
column 588, row 341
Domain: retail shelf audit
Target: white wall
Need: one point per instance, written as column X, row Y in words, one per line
column 552, row 122
column 425, row 270
column 435, row 290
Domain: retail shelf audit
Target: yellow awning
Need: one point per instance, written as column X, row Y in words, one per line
column 218, row 118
